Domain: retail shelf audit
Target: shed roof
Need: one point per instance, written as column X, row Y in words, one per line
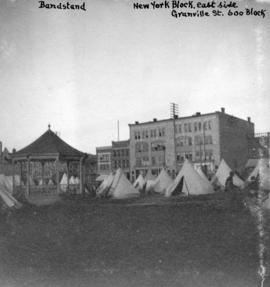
column 48, row 145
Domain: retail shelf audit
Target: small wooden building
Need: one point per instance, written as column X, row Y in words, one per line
column 48, row 149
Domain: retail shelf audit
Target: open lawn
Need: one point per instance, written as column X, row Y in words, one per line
column 129, row 243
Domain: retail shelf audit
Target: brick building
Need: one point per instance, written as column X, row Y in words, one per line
column 203, row 138
column 120, row 156
column 104, row 159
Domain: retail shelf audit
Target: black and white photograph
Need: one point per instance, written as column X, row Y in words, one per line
column 134, row 143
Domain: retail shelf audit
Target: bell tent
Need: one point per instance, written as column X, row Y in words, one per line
column 140, row 183
column 262, row 170
column 150, row 181
column 223, row 173
column 162, row 182
column 121, row 187
column 189, row 182
column 7, row 199
column 105, row 186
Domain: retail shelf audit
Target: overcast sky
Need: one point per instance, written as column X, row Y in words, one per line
column 83, row 71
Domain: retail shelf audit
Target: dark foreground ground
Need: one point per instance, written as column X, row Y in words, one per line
column 106, row 243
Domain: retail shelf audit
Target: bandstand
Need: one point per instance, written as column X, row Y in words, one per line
column 41, row 165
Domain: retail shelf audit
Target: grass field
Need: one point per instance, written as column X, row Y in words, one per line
column 107, row 243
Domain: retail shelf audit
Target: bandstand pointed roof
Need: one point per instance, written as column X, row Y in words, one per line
column 48, row 145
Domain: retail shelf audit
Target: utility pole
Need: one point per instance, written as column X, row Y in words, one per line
column 118, row 135
column 174, row 115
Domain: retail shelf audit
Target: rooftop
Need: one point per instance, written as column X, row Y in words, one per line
column 48, row 144
column 196, row 115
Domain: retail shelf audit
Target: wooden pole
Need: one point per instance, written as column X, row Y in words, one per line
column 42, row 175
column 81, row 175
column 57, row 176
column 13, row 179
column 20, row 174
column 28, row 176
column 67, row 176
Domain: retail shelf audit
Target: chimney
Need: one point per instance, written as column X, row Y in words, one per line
column 223, row 110
column 13, row 150
column 176, row 116
column 136, row 123
column 248, row 118
column 154, row 120
column 198, row 114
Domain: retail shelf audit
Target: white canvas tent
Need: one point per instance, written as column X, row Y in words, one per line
column 7, row 181
column 121, row 187
column 105, row 185
column 63, row 182
column 72, row 180
column 140, row 183
column 77, row 180
column 150, row 181
column 7, row 199
column 64, row 179
column 262, row 170
column 223, row 173
column 162, row 182
column 189, row 182
column 201, row 173
column 50, row 182
column 101, row 177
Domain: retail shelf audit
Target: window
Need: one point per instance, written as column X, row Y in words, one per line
column 180, row 128
column 163, row 132
column 195, row 127
column 153, row 160
column 209, row 154
column 189, row 127
column 204, row 126
column 137, row 135
column 153, row 133
column 141, row 147
column 199, row 126
column 198, row 154
column 208, row 139
column 138, row 162
column 145, row 161
column 157, row 146
column 188, row 155
column 189, row 140
column 180, row 141
column 198, row 140
column 180, row 157
column 146, row 134
column 185, row 127
column 209, row 125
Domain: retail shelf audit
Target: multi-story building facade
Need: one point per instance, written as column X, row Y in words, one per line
column 264, row 142
column 104, row 159
column 203, row 138
column 120, row 156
